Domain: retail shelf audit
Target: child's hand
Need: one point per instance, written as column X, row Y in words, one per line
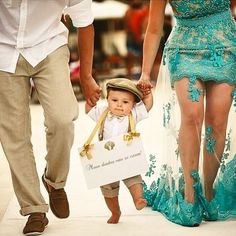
column 88, row 107
column 144, row 84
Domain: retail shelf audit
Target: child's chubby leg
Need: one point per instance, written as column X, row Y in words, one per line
column 110, row 193
column 135, row 187
column 113, row 205
column 136, row 191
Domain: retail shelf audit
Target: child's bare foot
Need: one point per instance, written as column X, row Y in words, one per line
column 114, row 219
column 140, row 203
column 113, row 205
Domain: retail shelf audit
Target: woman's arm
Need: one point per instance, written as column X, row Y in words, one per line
column 151, row 41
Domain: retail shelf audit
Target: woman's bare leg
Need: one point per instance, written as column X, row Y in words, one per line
column 218, row 103
column 190, row 132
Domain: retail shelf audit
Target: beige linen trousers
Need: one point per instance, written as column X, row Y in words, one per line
column 51, row 79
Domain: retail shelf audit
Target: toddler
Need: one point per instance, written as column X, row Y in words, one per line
column 123, row 97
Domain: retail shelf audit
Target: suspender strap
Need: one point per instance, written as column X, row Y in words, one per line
column 100, row 124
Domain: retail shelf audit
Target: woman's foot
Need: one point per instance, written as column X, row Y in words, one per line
column 209, row 204
column 189, row 214
column 114, row 219
column 210, row 209
column 140, row 203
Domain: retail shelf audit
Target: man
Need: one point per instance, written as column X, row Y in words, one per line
column 33, row 44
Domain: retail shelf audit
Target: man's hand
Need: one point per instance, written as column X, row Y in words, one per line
column 91, row 90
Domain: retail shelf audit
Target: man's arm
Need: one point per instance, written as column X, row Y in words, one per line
column 81, row 14
column 90, row 88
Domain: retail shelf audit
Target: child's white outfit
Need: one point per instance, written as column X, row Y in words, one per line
column 115, row 126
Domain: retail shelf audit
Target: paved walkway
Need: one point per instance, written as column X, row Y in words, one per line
column 88, row 211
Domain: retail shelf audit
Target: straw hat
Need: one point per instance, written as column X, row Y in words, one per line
column 127, row 85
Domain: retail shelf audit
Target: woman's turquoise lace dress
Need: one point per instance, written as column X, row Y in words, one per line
column 203, row 43
column 202, row 46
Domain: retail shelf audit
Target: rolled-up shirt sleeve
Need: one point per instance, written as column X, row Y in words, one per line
column 80, row 12
column 96, row 112
column 139, row 112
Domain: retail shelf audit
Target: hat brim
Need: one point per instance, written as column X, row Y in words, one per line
column 131, row 89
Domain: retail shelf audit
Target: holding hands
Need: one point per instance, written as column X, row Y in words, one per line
column 91, row 91
column 144, row 84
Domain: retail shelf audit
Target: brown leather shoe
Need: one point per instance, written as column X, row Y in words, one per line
column 57, row 200
column 36, row 224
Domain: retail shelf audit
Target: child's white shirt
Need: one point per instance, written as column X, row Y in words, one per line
column 115, row 126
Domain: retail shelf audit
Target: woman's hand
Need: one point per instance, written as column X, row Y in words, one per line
column 144, row 84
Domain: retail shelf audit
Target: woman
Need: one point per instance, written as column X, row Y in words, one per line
column 197, row 80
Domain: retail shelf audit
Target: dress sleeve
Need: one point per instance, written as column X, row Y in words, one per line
column 80, row 12
column 140, row 112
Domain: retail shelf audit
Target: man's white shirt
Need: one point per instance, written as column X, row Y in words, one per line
column 34, row 29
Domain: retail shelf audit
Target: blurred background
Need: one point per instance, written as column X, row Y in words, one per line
column 119, row 31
